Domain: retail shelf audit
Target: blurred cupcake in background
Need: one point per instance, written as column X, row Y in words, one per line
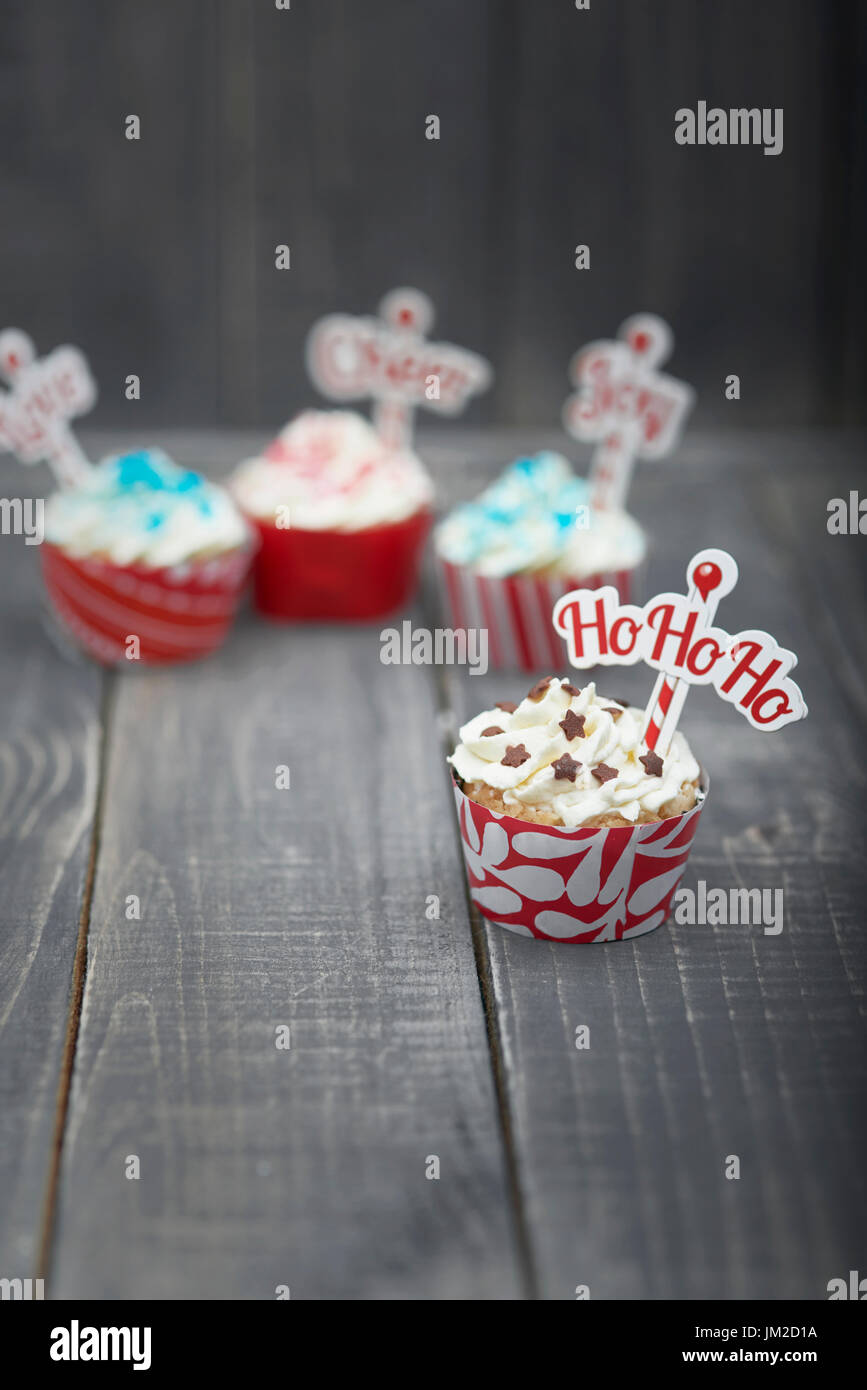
column 144, row 560
column 341, row 519
column 530, row 537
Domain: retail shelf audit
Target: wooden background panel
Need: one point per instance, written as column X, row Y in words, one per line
column 106, row 242
column 733, row 247
column 346, row 177
column 259, row 908
column 710, row 1041
column 306, row 126
column 851, row 151
column 49, row 753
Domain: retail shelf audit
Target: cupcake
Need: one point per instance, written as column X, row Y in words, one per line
column 341, row 519
column 142, row 549
column 530, row 537
column 573, row 829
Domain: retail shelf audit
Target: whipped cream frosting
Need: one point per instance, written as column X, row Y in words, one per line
column 537, row 518
column 605, row 736
column 332, row 472
column 141, row 508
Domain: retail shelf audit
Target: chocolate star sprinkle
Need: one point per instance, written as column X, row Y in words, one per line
column 489, row 732
column 604, row 773
column 613, row 711
column 539, row 688
column 566, row 767
column 506, row 706
column 573, row 725
column 515, row 755
column 570, row 689
column 652, row 764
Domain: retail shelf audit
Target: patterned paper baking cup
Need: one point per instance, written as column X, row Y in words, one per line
column 341, row 576
column 178, row 614
column 574, row 886
column 516, row 610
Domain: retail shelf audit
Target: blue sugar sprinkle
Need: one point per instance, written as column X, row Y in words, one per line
column 145, row 471
column 136, row 470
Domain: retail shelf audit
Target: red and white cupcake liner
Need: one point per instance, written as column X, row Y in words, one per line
column 340, row 576
column 178, row 614
column 516, row 610
column 575, row 886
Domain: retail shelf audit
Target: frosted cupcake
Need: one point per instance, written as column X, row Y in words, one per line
column 568, row 756
column 528, row 538
column 342, row 520
column 572, row 828
column 145, row 561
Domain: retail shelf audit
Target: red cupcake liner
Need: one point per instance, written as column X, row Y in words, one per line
column 337, row 575
column 574, row 886
column 179, row 614
column 516, row 610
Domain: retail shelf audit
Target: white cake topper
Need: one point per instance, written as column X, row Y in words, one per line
column 46, row 393
column 674, row 634
column 390, row 360
column 624, row 405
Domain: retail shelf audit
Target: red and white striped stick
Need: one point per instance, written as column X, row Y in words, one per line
column 712, row 574
column 611, row 470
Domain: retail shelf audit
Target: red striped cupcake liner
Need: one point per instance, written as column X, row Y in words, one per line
column 178, row 614
column 516, row 610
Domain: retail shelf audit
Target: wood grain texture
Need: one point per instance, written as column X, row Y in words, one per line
column 49, row 742
column 264, row 907
column 306, row 127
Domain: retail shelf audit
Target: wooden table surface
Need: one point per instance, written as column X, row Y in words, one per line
column 410, row 1037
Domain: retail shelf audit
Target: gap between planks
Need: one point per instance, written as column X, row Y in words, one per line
column 79, row 979
column 526, row 1264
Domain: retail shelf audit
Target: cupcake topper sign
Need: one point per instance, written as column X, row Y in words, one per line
column 389, row 359
column 673, row 633
column 624, row 405
column 46, row 393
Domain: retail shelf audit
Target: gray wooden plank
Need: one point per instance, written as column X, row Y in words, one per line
column 49, row 750
column 260, row 908
column 709, row 1041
